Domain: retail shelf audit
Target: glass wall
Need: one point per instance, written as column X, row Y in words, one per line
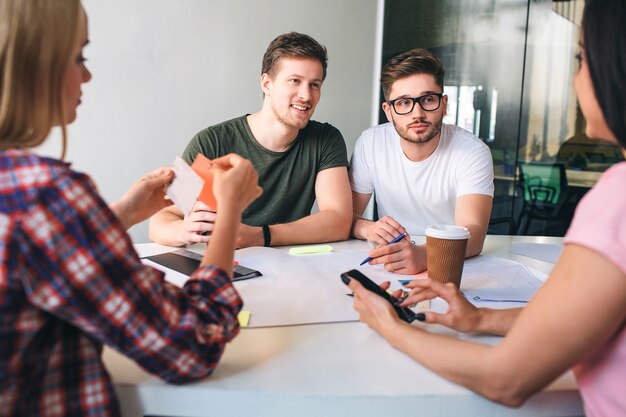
column 509, row 70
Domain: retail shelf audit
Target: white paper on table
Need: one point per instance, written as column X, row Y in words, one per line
column 546, row 252
column 492, row 278
column 186, row 186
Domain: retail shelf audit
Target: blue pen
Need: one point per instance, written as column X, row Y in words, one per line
column 396, row 240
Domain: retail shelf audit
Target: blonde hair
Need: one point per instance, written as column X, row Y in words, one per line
column 37, row 40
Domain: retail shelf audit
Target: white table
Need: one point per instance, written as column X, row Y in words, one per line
column 336, row 369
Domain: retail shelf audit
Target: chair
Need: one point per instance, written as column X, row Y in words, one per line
column 545, row 192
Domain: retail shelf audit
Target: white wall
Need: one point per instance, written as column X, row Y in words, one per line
column 164, row 69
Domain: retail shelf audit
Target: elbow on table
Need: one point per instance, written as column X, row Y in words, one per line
column 507, row 391
column 192, row 368
column 474, row 251
column 152, row 235
column 342, row 231
column 475, row 246
column 153, row 229
column 181, row 379
column 158, row 232
column 508, row 399
column 337, row 225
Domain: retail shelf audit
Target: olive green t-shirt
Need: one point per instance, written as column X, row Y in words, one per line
column 287, row 178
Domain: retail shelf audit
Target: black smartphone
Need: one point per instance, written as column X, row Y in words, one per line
column 186, row 262
column 404, row 313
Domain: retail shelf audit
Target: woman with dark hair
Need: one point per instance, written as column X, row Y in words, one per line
column 604, row 46
column 70, row 280
column 578, row 317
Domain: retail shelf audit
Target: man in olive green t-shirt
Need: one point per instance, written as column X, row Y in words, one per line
column 298, row 160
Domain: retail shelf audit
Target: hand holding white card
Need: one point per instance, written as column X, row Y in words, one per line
column 186, row 186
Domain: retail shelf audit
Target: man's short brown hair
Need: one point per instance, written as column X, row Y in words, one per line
column 293, row 45
column 415, row 61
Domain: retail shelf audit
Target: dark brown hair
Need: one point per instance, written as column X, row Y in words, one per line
column 415, row 61
column 293, row 45
column 604, row 39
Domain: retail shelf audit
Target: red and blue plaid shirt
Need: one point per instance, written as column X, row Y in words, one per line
column 70, row 281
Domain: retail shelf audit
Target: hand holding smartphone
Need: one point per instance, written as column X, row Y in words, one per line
column 404, row 313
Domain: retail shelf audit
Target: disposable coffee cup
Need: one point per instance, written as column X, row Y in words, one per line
column 445, row 252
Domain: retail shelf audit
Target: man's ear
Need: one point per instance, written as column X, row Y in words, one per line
column 266, row 83
column 444, row 103
column 387, row 109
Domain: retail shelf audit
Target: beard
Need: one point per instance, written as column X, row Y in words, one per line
column 288, row 121
column 419, row 138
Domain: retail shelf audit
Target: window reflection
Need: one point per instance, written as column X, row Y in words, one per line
column 465, row 108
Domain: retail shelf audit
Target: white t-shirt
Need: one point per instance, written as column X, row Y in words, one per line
column 418, row 194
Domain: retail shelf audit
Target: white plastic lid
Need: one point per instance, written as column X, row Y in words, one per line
column 447, row 231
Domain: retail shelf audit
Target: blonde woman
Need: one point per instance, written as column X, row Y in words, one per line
column 70, row 280
column 578, row 317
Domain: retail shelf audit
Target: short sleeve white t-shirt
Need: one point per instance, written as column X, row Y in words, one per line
column 418, row 194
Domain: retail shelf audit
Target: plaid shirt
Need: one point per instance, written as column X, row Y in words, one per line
column 70, row 281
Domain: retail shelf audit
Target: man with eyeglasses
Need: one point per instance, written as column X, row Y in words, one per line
column 421, row 171
column 298, row 160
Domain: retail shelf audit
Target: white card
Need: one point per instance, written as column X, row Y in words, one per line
column 186, row 186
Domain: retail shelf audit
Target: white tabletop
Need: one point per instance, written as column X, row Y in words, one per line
column 342, row 369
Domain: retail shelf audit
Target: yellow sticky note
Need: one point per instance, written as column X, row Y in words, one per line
column 244, row 318
column 303, row 250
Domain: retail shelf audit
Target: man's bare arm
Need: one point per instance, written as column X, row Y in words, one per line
column 473, row 211
column 331, row 223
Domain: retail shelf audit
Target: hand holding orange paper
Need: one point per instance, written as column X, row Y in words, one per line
column 202, row 166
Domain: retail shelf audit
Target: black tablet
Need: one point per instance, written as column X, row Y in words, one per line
column 186, row 262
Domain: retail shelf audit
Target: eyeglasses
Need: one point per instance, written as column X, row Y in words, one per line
column 405, row 105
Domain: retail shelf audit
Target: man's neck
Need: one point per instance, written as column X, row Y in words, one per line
column 417, row 152
column 270, row 132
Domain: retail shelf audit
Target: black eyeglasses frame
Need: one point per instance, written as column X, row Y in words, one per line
column 392, row 103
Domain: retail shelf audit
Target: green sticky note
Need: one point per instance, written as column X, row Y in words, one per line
column 304, row 250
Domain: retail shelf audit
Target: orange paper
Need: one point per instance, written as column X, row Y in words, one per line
column 201, row 165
